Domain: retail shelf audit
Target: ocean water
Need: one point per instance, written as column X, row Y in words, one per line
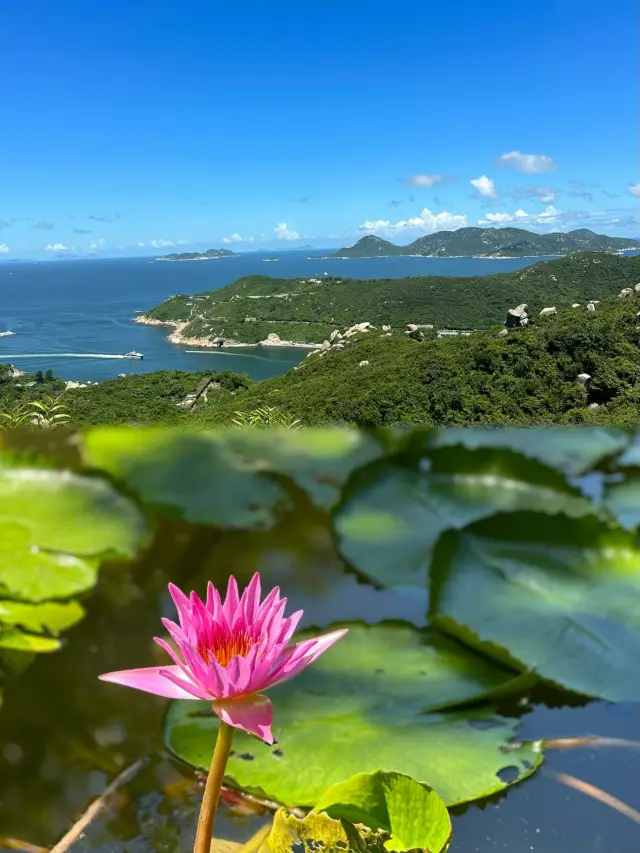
column 75, row 317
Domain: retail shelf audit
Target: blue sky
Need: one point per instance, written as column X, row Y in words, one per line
column 252, row 125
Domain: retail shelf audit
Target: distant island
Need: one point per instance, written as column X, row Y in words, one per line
column 209, row 255
column 489, row 243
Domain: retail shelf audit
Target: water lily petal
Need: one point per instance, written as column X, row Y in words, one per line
column 250, row 601
column 182, row 604
column 231, row 602
column 253, row 714
column 295, row 659
column 150, row 680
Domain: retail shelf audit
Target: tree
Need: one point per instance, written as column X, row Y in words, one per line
column 48, row 377
column 39, row 377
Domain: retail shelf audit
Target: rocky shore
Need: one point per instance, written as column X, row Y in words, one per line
column 177, row 337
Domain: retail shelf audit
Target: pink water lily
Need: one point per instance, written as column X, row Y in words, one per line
column 228, row 653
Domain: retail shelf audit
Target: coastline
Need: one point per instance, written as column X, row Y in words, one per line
column 176, row 337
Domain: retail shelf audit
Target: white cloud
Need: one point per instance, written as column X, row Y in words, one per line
column 529, row 163
column 283, row 232
column 485, row 187
column 498, row 217
column 100, row 243
column 634, row 189
column 3, row 248
column 237, row 238
column 165, row 244
column 426, row 222
column 423, row 180
column 548, row 216
column 141, row 245
column 58, row 247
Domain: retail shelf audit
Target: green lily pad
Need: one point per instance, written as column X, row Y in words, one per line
column 16, row 640
column 361, row 708
column 314, row 832
column 389, row 527
column 565, row 604
column 319, row 460
column 623, row 501
column 193, row 474
column 413, row 814
column 52, row 616
column 70, row 513
column 572, row 450
column 30, row 574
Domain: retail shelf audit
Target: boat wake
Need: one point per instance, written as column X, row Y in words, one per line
column 61, row 355
column 218, row 352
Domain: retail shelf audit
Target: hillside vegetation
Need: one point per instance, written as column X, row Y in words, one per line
column 309, row 309
column 528, row 377
column 490, row 242
column 145, row 398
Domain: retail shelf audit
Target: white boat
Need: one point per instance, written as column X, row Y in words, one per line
column 133, row 354
column 6, row 334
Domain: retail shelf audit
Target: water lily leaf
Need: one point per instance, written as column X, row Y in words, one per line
column 319, row 460
column 194, row 474
column 572, row 450
column 558, row 596
column 623, row 500
column 389, row 527
column 70, row 513
column 413, row 814
column 12, row 638
column 30, row 574
column 360, row 708
column 290, row 834
column 51, row 616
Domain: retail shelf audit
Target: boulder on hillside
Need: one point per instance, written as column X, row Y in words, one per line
column 363, row 363
column 515, row 316
column 335, row 336
column 583, row 379
column 593, row 406
column 503, row 333
column 626, row 291
column 358, row 327
column 548, row 312
column 636, row 287
column 576, row 305
column 414, row 327
column 388, row 328
column 591, row 307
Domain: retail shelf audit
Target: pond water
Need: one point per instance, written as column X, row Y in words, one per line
column 64, row 735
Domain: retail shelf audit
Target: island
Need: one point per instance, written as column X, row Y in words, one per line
column 261, row 310
column 209, row 255
column 489, row 243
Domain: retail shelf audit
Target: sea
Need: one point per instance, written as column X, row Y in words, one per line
column 75, row 316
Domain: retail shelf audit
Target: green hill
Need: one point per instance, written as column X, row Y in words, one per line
column 309, row 309
column 528, row 377
column 490, row 242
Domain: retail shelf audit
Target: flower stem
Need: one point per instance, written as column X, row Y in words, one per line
column 207, row 818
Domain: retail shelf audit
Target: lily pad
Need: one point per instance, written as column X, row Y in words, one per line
column 560, row 597
column 389, row 527
column 413, row 814
column 30, row 574
column 193, row 474
column 70, row 513
column 12, row 638
column 572, row 450
column 319, row 460
column 291, row 834
column 361, row 708
column 52, row 616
